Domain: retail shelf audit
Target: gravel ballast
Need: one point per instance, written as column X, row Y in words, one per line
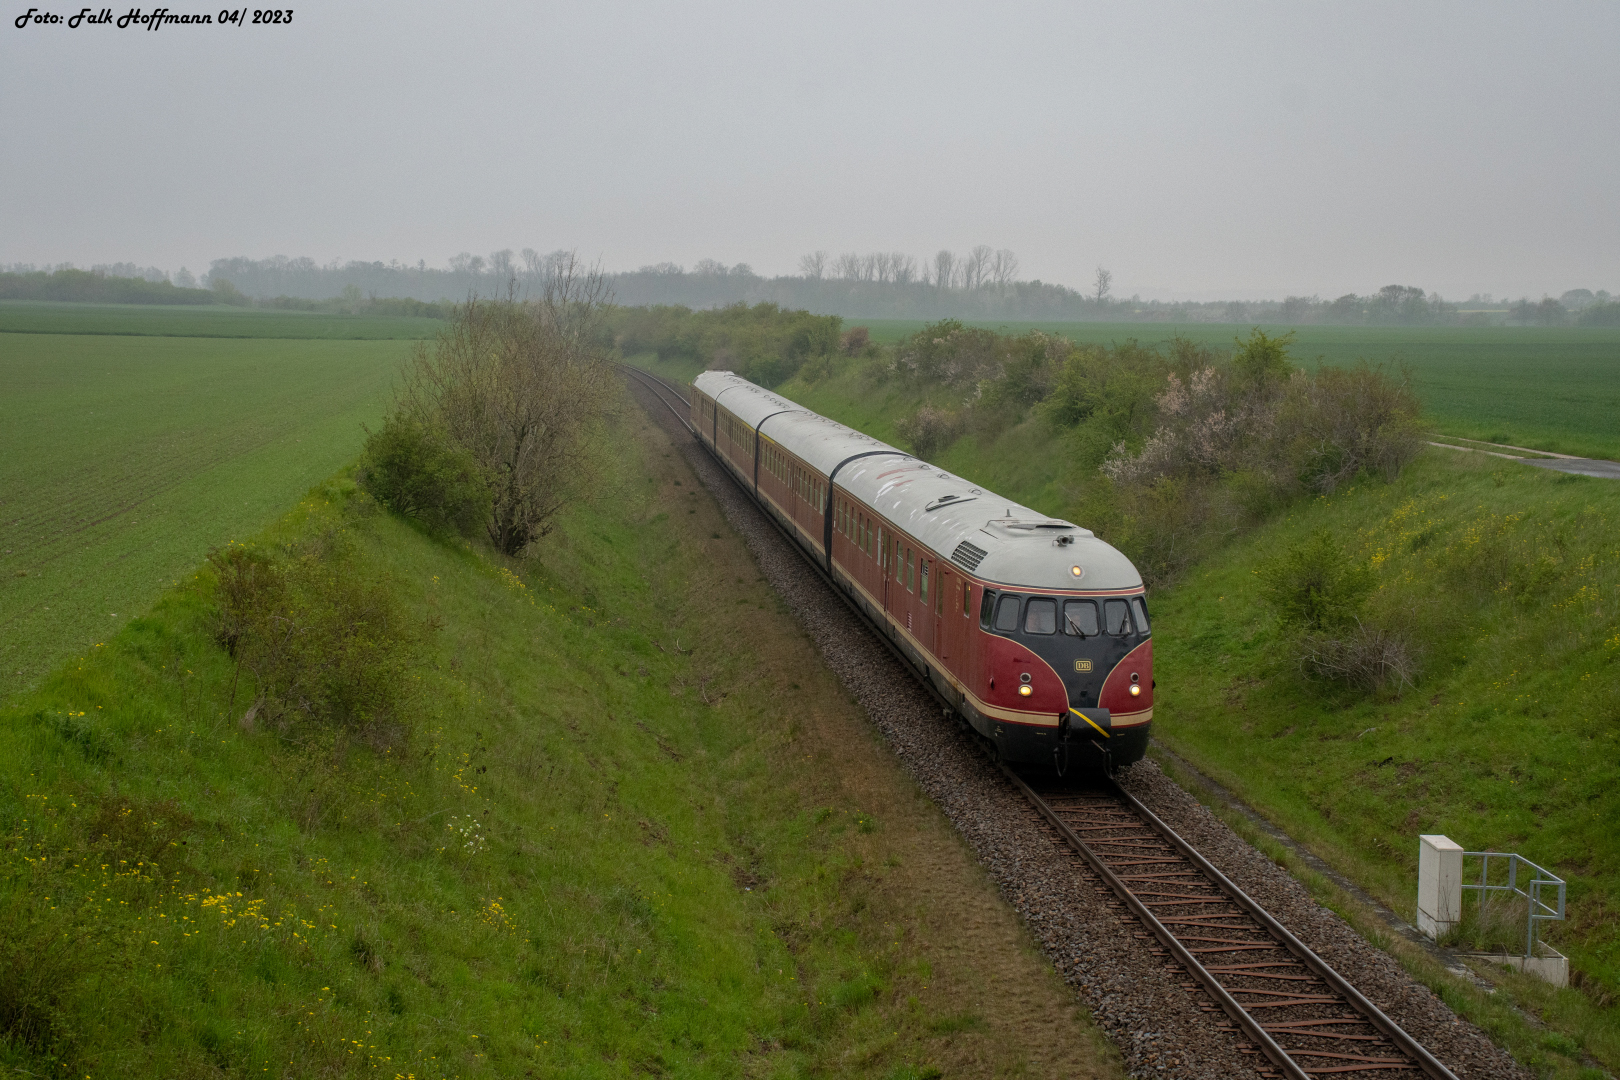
column 1086, row 932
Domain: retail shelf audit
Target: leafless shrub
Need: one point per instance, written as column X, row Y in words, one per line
column 524, row 387
column 1370, row 657
column 853, row 342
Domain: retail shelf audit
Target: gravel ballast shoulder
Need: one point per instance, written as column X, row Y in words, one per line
column 1088, row 935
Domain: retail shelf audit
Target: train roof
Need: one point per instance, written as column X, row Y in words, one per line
column 991, row 537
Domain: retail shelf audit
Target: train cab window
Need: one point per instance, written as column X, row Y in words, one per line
column 1040, row 616
column 1139, row 613
column 1080, row 618
column 1116, row 617
column 1007, row 614
column 985, row 607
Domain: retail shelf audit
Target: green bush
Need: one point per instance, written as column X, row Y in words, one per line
column 415, row 472
column 323, row 639
column 1316, row 586
column 1320, row 595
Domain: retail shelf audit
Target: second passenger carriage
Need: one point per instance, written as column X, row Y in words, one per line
column 1036, row 631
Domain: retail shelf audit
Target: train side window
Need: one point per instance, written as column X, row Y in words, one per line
column 1007, row 614
column 899, row 565
column 1040, row 616
column 1116, row 617
column 986, row 605
column 922, row 573
column 967, row 599
column 1139, row 613
column 939, row 594
column 911, row 571
column 880, row 549
column 1080, row 618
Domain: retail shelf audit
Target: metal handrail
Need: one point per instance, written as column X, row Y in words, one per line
column 1540, row 879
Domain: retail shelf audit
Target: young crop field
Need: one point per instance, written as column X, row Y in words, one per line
column 1552, row 389
column 124, row 459
column 146, row 320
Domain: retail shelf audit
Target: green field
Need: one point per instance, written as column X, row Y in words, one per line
column 147, row 320
column 124, row 459
column 1552, row 389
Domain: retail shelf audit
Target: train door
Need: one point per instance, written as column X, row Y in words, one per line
column 883, row 567
column 942, row 609
column 927, row 589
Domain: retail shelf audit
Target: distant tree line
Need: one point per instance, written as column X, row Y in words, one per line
column 764, row 343
column 981, row 284
column 93, row 287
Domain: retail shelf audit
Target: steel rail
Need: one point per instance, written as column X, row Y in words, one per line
column 1229, row 1005
column 1315, row 964
column 1286, row 941
column 1142, row 902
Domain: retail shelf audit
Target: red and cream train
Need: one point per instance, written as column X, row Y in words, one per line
column 1036, row 631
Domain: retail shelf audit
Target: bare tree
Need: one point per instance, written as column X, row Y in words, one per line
column 1105, row 281
column 532, row 264
column 944, row 269
column 903, row 267
column 976, row 266
column 500, row 264
column 1004, row 269
column 524, row 387
column 847, row 266
column 813, row 265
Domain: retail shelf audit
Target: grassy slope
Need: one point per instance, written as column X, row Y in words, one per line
column 1547, row 388
column 1510, row 741
column 681, row 865
column 124, row 459
column 149, row 320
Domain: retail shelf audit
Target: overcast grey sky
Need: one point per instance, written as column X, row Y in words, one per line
column 1198, row 150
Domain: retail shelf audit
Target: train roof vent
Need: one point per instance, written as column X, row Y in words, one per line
column 969, row 554
column 947, row 500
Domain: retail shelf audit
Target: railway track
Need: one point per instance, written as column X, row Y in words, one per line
column 1281, row 1002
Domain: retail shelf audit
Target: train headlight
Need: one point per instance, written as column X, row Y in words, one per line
column 1136, row 691
column 1025, row 690
column 1076, row 571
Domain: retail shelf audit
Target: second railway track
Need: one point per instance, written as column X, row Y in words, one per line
column 1260, row 990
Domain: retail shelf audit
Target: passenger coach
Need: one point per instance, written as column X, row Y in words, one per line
column 1035, row 631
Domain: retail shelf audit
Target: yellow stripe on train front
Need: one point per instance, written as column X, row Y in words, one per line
column 1088, row 720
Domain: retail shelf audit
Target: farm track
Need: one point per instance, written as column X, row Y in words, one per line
column 1134, row 981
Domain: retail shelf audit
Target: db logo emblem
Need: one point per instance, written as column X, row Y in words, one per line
column 1082, row 665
